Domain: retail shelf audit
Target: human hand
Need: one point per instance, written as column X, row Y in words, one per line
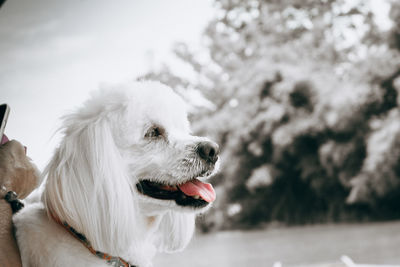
column 17, row 172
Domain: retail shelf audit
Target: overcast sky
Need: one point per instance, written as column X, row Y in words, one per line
column 53, row 53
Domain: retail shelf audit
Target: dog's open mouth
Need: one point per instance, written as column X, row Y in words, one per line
column 193, row 193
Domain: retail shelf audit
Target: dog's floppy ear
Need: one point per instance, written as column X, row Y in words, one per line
column 87, row 185
column 175, row 231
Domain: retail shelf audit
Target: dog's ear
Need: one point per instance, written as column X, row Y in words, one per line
column 88, row 187
column 175, row 231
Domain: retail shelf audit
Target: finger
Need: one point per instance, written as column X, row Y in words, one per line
column 14, row 147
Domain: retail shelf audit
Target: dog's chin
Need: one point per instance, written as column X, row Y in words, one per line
column 191, row 196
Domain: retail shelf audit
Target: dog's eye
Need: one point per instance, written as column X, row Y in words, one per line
column 154, row 132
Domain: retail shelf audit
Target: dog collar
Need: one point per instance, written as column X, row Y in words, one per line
column 111, row 260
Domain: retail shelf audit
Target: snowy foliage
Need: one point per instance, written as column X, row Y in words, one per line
column 305, row 106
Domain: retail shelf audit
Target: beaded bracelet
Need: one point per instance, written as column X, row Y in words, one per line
column 12, row 198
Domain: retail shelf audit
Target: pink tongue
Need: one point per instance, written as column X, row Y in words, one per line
column 198, row 188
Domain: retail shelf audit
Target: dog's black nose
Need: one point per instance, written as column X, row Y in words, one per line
column 208, row 151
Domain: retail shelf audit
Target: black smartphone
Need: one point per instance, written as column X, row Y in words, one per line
column 4, row 111
column 2, row 2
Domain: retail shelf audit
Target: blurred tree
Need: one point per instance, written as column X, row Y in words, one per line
column 305, row 108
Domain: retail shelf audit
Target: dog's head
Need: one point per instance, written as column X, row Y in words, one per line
column 128, row 153
column 165, row 162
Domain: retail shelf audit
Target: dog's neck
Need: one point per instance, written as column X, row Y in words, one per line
column 111, row 260
column 132, row 255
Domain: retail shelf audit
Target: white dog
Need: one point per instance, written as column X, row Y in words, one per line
column 123, row 184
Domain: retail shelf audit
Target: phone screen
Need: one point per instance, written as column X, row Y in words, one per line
column 4, row 111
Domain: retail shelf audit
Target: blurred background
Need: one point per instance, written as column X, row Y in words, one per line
column 303, row 97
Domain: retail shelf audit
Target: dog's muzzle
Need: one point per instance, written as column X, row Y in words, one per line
column 193, row 192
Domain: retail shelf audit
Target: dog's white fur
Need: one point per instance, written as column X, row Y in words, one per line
column 91, row 181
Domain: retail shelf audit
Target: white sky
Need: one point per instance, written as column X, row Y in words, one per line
column 53, row 53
